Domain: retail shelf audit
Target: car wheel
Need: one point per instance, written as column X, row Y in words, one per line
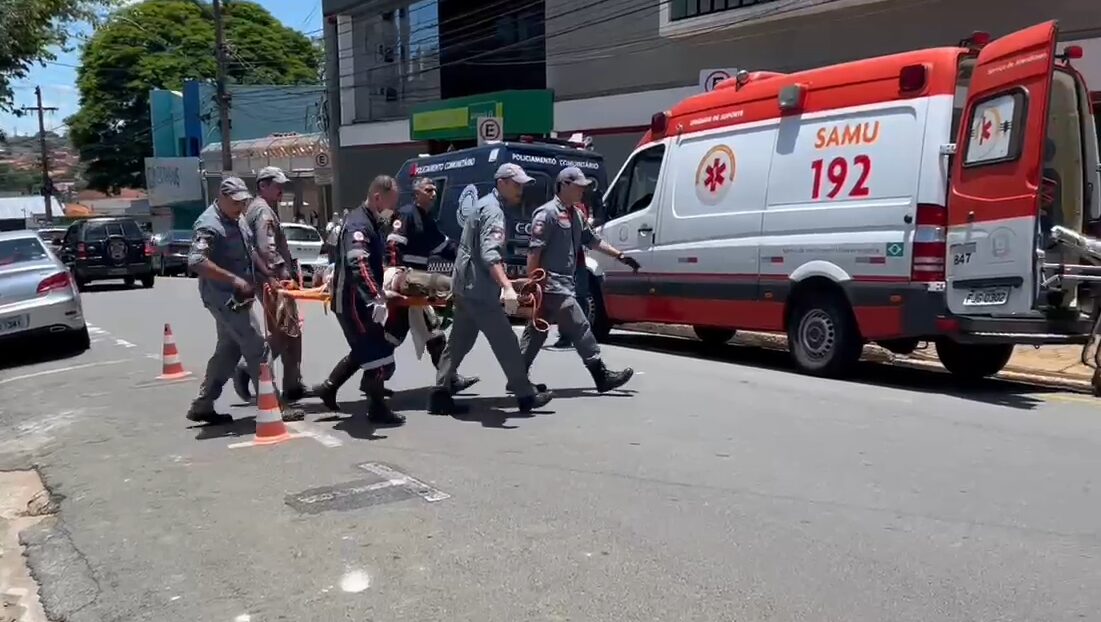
column 129, row 281
column 973, row 361
column 81, row 284
column 79, row 341
column 822, row 335
column 147, row 280
column 164, row 269
column 713, row 336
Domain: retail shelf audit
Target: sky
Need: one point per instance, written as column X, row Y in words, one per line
column 58, row 79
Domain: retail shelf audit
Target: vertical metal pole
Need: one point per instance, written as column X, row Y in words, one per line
column 332, row 95
column 223, row 98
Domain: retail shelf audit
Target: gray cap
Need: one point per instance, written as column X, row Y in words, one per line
column 513, row 172
column 234, row 188
column 573, row 175
column 273, row 173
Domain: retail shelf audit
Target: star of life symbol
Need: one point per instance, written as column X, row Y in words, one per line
column 991, row 130
column 715, row 175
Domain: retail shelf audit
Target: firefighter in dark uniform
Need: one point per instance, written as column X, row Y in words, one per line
column 359, row 301
column 479, row 287
column 414, row 238
column 558, row 232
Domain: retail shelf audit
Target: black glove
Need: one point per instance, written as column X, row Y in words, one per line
column 630, row 262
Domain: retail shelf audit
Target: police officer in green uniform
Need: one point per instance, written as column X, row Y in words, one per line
column 479, row 287
column 223, row 256
column 557, row 234
column 263, row 222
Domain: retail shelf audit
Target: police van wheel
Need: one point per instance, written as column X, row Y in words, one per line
column 973, row 361
column 598, row 317
column 822, row 335
column 712, row 335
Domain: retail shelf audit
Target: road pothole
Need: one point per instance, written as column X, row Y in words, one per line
column 24, row 501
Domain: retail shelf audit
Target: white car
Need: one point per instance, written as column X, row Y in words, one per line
column 38, row 295
column 305, row 243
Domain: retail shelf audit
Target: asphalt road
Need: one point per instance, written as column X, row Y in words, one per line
column 724, row 487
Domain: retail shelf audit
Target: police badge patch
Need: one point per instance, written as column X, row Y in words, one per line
column 468, row 200
column 497, row 233
column 358, row 236
column 397, row 224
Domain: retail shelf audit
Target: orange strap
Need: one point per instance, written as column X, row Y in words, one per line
column 530, row 293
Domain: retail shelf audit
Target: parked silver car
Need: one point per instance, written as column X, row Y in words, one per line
column 38, row 295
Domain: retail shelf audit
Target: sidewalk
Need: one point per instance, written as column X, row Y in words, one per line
column 1054, row 361
column 1046, row 365
column 23, row 502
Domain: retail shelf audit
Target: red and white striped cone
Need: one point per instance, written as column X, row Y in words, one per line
column 171, row 368
column 270, row 428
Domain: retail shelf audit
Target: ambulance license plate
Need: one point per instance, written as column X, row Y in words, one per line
column 986, row 297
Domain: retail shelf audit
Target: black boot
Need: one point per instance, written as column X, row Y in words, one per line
column 242, row 383
column 435, row 351
column 343, row 372
column 607, row 380
column 297, row 393
column 531, row 402
column 440, row 402
column 539, row 387
column 364, row 387
column 378, row 411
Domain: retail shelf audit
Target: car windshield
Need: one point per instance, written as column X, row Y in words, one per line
column 20, row 250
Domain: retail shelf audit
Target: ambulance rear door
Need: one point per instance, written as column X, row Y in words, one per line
column 993, row 201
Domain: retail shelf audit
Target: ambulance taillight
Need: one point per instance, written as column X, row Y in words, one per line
column 930, row 247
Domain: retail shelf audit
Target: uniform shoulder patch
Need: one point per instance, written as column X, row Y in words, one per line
column 358, row 236
column 397, row 224
column 497, row 233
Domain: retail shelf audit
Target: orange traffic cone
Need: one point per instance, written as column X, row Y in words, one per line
column 171, row 368
column 270, row 428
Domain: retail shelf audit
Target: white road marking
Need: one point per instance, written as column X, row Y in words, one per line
column 310, row 430
column 428, row 493
column 62, row 370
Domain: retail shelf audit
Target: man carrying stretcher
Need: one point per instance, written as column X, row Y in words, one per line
column 414, row 238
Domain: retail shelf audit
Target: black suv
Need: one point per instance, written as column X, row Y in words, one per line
column 96, row 249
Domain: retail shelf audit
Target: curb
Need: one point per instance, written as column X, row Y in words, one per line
column 772, row 341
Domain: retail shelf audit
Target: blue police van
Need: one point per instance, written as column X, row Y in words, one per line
column 463, row 176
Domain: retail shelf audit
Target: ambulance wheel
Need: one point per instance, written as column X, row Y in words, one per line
column 713, row 336
column 598, row 317
column 973, row 361
column 822, row 335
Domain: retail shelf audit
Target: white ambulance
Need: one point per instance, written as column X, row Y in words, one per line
column 889, row 200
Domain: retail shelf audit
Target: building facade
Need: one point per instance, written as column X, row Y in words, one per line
column 611, row 64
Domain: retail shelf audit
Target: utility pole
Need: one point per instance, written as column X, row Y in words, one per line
column 222, row 96
column 47, row 185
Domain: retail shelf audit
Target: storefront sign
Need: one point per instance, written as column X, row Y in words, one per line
column 173, row 180
column 521, row 112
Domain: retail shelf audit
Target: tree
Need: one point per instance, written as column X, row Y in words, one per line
column 31, row 31
column 158, row 44
column 14, row 180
